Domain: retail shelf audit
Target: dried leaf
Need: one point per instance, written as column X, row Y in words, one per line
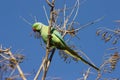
column 114, row 59
column 98, row 32
column 104, row 35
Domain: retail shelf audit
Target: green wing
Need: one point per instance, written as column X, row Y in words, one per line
column 59, row 43
column 58, row 39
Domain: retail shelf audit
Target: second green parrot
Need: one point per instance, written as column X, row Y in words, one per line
column 58, row 42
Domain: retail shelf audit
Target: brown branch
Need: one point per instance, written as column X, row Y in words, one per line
column 49, row 38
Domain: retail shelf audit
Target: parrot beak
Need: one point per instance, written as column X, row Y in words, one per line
column 34, row 29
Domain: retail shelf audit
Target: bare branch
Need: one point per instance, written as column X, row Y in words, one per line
column 49, row 38
column 50, row 4
column 87, row 74
column 90, row 23
column 13, row 60
column 46, row 13
column 39, row 70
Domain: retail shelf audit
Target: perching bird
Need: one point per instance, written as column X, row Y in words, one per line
column 57, row 41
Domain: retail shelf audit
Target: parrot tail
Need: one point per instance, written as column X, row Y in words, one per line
column 75, row 55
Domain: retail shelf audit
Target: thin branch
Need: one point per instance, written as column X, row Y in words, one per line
column 81, row 27
column 46, row 13
column 72, row 11
column 49, row 38
column 76, row 13
column 64, row 16
column 50, row 4
column 8, row 52
column 18, row 67
column 12, row 72
column 6, row 58
column 67, row 19
column 39, row 70
column 25, row 20
column 35, row 18
column 87, row 74
column 114, row 31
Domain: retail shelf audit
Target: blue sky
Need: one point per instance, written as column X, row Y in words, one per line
column 15, row 33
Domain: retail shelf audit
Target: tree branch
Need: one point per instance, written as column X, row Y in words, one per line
column 13, row 59
column 49, row 39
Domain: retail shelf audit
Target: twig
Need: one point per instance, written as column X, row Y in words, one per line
column 105, row 28
column 81, row 27
column 35, row 18
column 15, row 77
column 87, row 74
column 39, row 70
column 50, row 4
column 68, row 17
column 72, row 10
column 8, row 52
column 75, row 13
column 25, row 20
column 18, row 67
column 46, row 13
column 64, row 16
column 4, row 57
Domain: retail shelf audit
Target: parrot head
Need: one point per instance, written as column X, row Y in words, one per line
column 37, row 26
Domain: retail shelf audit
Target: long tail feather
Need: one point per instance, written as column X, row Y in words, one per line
column 75, row 55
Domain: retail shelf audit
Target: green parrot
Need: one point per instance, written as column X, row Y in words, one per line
column 57, row 41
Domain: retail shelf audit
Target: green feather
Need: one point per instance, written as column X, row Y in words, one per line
column 58, row 42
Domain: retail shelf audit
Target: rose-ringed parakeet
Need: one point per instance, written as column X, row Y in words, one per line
column 57, row 41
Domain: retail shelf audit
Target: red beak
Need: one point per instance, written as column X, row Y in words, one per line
column 34, row 29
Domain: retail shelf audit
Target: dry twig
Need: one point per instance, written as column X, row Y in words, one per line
column 13, row 60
